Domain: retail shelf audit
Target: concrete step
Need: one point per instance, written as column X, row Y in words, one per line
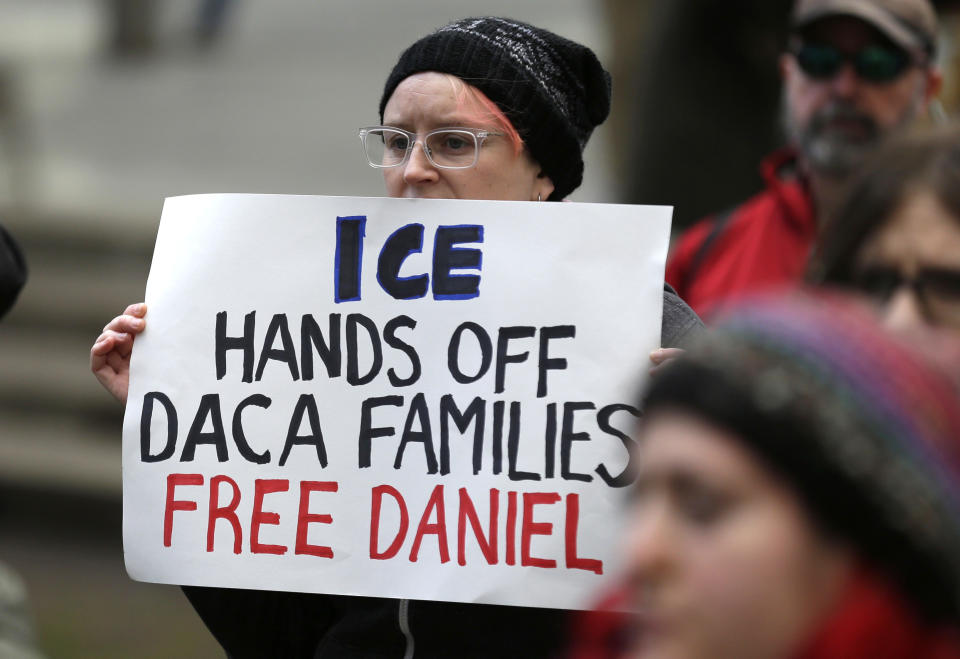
column 78, row 280
column 47, row 371
column 59, row 453
column 59, row 430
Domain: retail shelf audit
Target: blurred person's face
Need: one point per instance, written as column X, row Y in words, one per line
column 835, row 119
column 722, row 558
column 427, row 101
column 911, row 265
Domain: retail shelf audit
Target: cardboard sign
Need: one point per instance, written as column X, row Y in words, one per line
column 404, row 398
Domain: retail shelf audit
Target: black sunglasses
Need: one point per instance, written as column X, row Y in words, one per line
column 937, row 289
column 872, row 64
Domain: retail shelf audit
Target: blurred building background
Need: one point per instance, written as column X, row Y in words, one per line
column 109, row 106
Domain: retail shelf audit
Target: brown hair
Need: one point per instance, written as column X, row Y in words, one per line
column 928, row 160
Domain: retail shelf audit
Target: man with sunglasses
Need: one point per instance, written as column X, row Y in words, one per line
column 855, row 72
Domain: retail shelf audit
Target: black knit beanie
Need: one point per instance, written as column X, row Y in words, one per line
column 554, row 91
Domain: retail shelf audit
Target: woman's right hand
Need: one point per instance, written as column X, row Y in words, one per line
column 110, row 354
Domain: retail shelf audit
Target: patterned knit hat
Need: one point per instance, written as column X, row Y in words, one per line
column 865, row 430
column 553, row 91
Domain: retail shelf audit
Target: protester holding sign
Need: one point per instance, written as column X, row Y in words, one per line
column 484, row 108
column 797, row 495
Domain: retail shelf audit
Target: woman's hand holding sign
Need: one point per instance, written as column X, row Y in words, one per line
column 110, row 354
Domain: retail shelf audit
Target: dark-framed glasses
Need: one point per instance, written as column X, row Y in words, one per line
column 937, row 289
column 446, row 148
column 875, row 63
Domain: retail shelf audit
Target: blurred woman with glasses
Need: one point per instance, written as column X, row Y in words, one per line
column 896, row 236
column 798, row 493
column 483, row 108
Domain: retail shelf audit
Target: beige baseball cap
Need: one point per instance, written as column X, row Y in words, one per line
column 911, row 24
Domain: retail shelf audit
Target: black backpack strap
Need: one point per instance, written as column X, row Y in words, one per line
column 719, row 224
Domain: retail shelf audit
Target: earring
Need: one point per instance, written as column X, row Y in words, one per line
column 538, row 197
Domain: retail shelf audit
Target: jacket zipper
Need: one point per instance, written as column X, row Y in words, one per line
column 404, row 620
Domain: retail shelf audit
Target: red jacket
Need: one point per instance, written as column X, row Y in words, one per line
column 871, row 620
column 763, row 243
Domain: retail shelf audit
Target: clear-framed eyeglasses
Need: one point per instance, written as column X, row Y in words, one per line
column 446, row 148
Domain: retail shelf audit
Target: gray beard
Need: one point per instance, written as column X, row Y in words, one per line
column 833, row 153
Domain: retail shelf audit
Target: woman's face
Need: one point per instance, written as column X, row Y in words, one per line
column 426, row 101
column 919, row 243
column 722, row 558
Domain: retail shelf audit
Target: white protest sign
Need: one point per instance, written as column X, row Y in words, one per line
column 404, row 398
